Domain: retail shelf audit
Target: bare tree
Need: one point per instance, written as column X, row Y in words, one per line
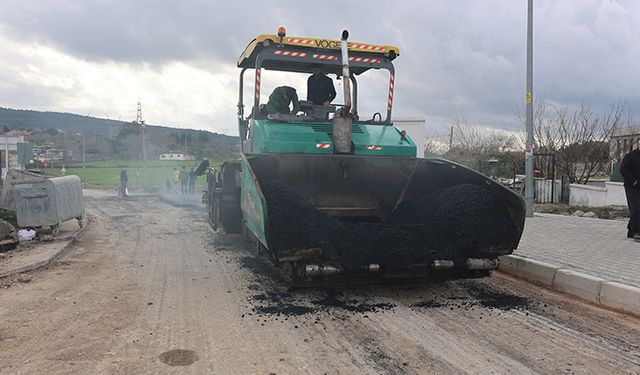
column 473, row 144
column 578, row 137
column 434, row 145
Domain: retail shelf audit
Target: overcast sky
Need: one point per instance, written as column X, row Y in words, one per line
column 178, row 57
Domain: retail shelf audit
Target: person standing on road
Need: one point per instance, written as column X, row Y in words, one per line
column 630, row 170
column 320, row 88
column 192, row 181
column 175, row 179
column 124, row 179
column 184, row 180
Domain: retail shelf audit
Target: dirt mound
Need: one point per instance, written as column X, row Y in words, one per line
column 452, row 223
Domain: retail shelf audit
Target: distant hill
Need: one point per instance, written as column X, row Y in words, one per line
column 27, row 119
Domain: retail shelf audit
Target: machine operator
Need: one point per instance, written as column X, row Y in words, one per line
column 320, row 90
column 281, row 98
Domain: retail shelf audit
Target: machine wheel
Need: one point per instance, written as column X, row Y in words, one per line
column 55, row 230
column 214, row 212
column 224, row 199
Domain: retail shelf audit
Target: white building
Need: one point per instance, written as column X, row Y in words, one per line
column 9, row 146
column 623, row 140
column 176, row 156
column 416, row 130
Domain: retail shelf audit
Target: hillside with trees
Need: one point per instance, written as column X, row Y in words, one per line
column 111, row 139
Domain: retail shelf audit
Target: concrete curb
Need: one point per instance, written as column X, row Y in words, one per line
column 596, row 290
column 43, row 263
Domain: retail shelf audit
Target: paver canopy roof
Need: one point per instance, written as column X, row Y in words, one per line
column 296, row 54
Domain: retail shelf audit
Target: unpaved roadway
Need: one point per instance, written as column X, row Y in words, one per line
column 149, row 289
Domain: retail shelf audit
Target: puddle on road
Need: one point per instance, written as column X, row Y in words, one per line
column 178, row 357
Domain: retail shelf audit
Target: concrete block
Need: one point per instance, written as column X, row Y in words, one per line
column 620, row 296
column 578, row 284
column 528, row 269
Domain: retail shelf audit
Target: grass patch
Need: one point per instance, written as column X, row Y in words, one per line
column 106, row 173
column 9, row 216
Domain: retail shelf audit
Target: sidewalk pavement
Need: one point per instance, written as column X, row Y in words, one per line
column 597, row 247
column 589, row 258
column 30, row 255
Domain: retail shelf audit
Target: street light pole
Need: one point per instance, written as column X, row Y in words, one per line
column 528, row 164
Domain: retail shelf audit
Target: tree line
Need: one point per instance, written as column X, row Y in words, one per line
column 578, row 137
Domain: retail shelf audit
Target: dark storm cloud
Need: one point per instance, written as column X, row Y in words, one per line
column 456, row 55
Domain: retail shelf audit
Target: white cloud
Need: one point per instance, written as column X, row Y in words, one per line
column 457, row 56
column 175, row 93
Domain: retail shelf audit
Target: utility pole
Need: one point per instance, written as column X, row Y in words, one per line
column 528, row 163
column 84, row 151
column 451, row 138
column 140, row 122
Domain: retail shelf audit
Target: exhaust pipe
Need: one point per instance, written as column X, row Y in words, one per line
column 326, row 269
column 320, row 270
column 342, row 119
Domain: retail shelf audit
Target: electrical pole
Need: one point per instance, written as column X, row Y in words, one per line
column 528, row 163
column 140, row 122
column 451, row 138
column 84, row 152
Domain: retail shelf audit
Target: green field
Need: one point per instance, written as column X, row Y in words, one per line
column 106, row 173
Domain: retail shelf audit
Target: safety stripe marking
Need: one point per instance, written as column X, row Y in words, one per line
column 365, row 60
column 367, row 47
column 290, row 53
column 258, row 74
column 325, row 57
column 391, row 85
column 300, row 41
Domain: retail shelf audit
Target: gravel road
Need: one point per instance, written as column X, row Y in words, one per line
column 150, row 289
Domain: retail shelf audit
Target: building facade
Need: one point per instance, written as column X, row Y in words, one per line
column 622, row 141
column 176, row 156
column 9, row 151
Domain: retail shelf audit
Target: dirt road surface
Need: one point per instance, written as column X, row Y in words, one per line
column 150, row 289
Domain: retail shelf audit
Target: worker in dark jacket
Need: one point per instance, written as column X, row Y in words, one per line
column 280, row 99
column 124, row 179
column 320, row 88
column 630, row 170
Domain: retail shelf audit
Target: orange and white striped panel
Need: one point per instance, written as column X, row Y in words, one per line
column 365, row 60
column 325, row 57
column 258, row 74
column 367, row 47
column 374, row 148
column 290, row 53
column 391, row 85
column 300, row 41
column 323, row 145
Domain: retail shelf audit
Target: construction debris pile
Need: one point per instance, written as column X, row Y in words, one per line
column 449, row 224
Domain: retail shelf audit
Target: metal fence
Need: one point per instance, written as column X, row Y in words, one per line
column 546, row 191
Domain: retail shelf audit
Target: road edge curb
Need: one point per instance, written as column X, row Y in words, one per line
column 43, row 263
column 610, row 294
